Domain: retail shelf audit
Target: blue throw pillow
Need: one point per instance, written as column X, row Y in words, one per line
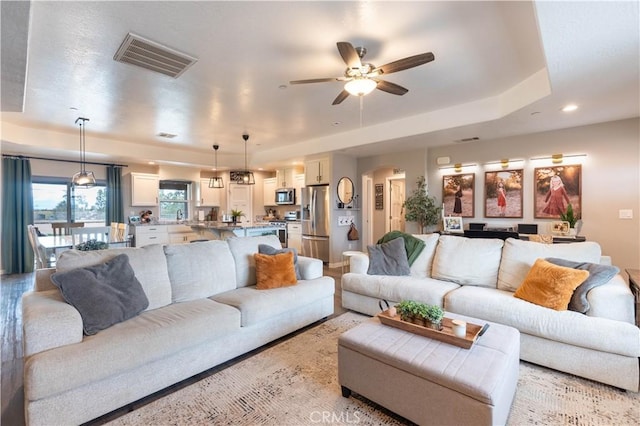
column 598, row 275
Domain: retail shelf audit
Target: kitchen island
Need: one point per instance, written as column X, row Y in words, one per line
column 176, row 232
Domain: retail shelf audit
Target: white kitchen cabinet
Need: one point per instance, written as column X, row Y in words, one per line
column 317, row 172
column 149, row 234
column 294, row 236
column 284, row 178
column 209, row 197
column 144, row 189
column 269, row 191
column 181, row 234
column 298, row 184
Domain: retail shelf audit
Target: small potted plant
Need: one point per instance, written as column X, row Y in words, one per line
column 421, row 314
column 235, row 214
column 408, row 310
column 569, row 216
column 90, row 245
column 433, row 315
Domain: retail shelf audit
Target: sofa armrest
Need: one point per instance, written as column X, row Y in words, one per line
column 310, row 268
column 43, row 279
column 359, row 263
column 48, row 322
column 612, row 300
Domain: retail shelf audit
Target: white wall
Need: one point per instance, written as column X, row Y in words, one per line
column 610, row 179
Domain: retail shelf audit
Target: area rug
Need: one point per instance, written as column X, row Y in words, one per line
column 295, row 383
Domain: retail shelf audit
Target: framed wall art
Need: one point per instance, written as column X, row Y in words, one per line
column 503, row 193
column 458, row 194
column 379, row 196
column 555, row 188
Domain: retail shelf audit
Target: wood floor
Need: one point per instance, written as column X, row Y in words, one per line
column 11, row 289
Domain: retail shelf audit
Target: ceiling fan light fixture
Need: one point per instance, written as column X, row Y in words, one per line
column 83, row 177
column 360, row 86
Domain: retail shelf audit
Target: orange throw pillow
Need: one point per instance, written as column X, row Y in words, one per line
column 275, row 270
column 550, row 285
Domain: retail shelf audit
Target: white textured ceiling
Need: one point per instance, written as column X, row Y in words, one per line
column 496, row 64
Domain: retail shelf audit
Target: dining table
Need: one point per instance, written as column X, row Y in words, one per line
column 54, row 244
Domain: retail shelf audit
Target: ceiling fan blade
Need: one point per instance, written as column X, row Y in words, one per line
column 392, row 88
column 317, row 80
column 406, row 63
column 341, row 97
column 349, row 54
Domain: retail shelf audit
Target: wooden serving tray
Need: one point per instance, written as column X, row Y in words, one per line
column 445, row 335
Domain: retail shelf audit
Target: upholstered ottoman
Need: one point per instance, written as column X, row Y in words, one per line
column 428, row 381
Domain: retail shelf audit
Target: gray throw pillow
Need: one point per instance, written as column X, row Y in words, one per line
column 104, row 294
column 388, row 258
column 598, row 275
column 267, row 249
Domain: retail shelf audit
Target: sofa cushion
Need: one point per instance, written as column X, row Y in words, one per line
column 261, row 305
column 243, row 250
column 467, row 261
column 104, row 294
column 518, row 256
column 274, row 270
column 397, row 289
column 267, row 249
column 550, row 285
column 149, row 265
column 120, row 349
column 412, row 245
column 421, row 268
column 573, row 328
column 598, row 275
column 200, row 270
column 388, row 258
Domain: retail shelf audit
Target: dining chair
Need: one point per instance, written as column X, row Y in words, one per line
column 63, row 228
column 99, row 233
column 40, row 252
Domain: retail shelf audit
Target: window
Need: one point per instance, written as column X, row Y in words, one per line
column 50, row 196
column 174, row 199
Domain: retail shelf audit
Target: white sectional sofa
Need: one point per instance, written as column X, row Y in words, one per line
column 204, row 309
column 478, row 277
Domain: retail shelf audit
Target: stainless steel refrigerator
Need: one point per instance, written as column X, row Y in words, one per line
column 315, row 222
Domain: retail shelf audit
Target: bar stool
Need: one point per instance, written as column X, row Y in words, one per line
column 346, row 258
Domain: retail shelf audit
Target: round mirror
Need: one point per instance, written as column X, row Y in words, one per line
column 345, row 190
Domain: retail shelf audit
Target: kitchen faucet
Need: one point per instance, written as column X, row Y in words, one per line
column 179, row 214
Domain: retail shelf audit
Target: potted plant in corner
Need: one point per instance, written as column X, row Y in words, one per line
column 420, row 207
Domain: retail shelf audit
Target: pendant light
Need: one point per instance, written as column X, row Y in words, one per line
column 246, row 176
column 83, row 177
column 216, row 181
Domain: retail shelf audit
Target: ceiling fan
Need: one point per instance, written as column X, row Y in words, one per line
column 361, row 78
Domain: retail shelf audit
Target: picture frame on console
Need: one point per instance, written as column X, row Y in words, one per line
column 453, row 224
column 554, row 188
column 458, row 195
column 503, row 193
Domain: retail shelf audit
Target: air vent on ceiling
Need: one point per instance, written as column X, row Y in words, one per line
column 144, row 53
column 475, row 138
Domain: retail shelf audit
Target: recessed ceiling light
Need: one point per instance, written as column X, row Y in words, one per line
column 337, row 123
column 282, row 86
column 471, row 139
column 151, row 163
column 535, row 112
column 570, row 107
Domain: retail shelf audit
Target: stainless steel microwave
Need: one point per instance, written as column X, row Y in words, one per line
column 285, row 196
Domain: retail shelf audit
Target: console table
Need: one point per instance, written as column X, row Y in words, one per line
column 634, row 284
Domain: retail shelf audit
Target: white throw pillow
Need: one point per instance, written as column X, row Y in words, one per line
column 421, row 267
column 518, row 257
column 468, row 261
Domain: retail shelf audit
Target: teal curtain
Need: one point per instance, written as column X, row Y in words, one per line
column 115, row 208
column 17, row 213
